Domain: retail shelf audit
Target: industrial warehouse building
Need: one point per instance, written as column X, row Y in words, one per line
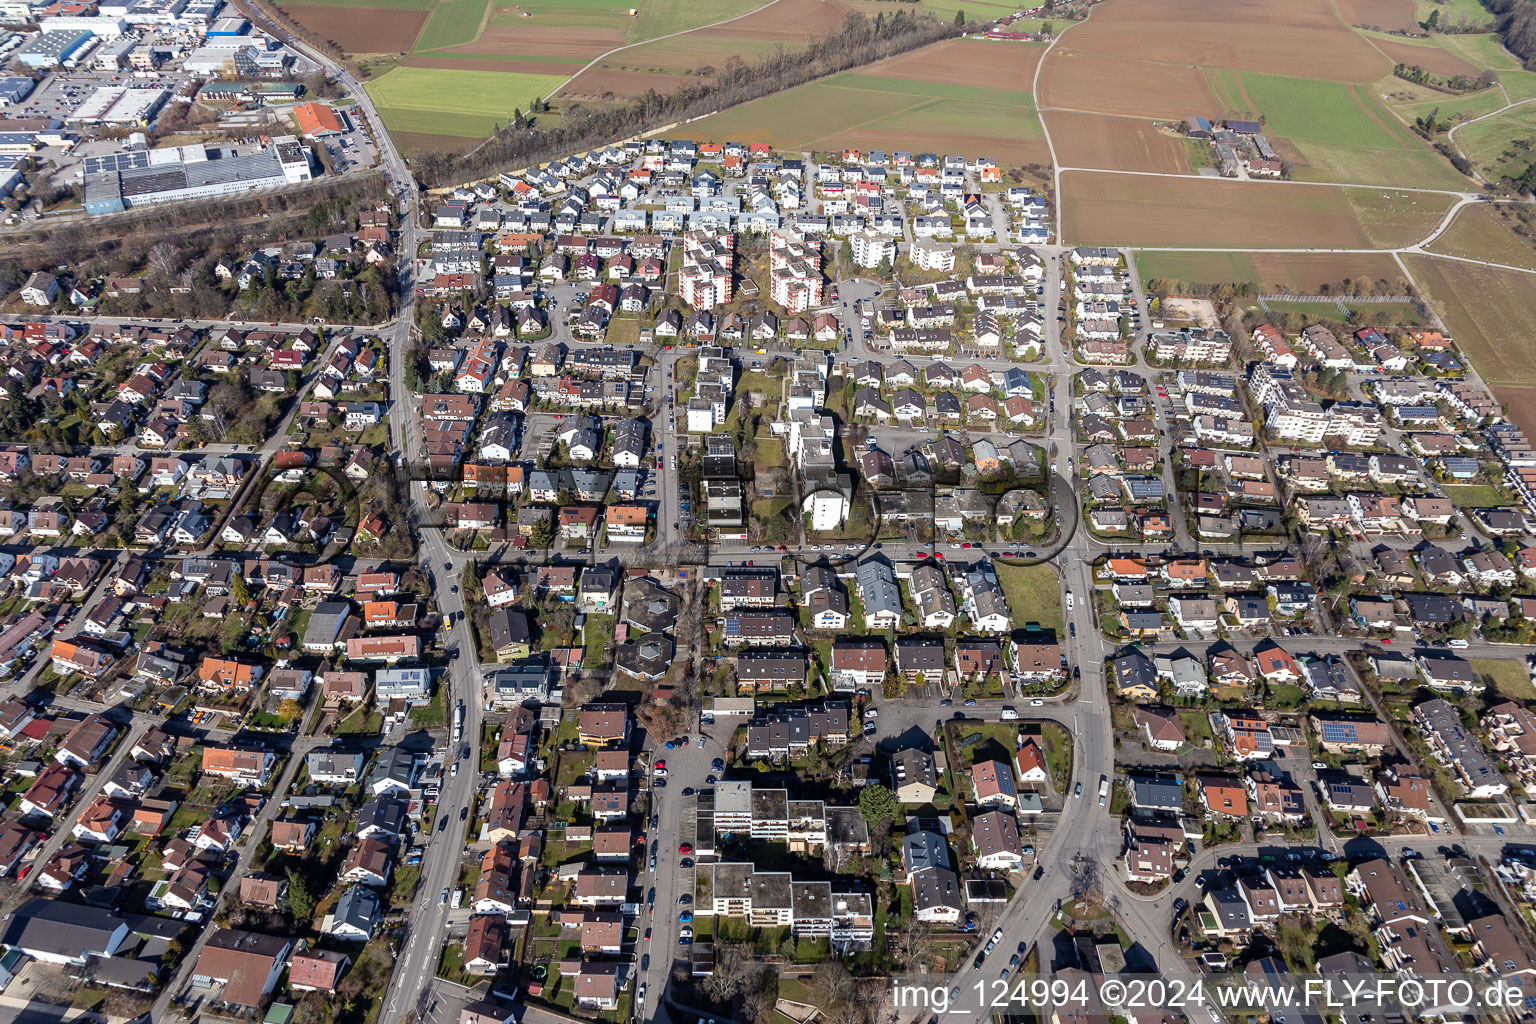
column 192, row 172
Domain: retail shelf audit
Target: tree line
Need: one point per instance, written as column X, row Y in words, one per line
column 1516, row 25
column 859, row 40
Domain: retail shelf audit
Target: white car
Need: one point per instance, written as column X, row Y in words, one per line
column 872, row 713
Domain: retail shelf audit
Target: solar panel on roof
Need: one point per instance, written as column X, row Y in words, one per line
column 1336, row 731
column 116, row 162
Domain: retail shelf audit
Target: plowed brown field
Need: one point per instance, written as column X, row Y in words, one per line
column 785, row 20
column 1072, row 80
column 1114, row 143
column 972, row 62
column 1431, row 58
column 1103, row 209
column 556, row 43
column 521, row 67
column 1387, row 15
column 1303, row 38
column 374, row 30
column 1305, row 272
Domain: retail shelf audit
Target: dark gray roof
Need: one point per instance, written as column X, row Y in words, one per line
column 63, row 929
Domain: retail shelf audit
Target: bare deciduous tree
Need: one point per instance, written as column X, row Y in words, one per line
column 164, row 260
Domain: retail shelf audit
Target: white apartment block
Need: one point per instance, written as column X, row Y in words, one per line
column 708, row 258
column 871, row 249
column 794, row 271
column 924, row 256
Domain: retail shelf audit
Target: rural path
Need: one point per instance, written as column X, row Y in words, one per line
column 1282, row 182
column 1451, row 135
column 1045, row 129
column 655, row 39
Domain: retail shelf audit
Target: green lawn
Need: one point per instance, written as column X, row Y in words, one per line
column 361, row 722
column 446, row 101
column 1476, row 495
column 597, row 632
column 1197, row 727
column 1509, row 677
column 430, row 715
column 1033, row 593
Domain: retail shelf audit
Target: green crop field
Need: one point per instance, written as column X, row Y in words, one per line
column 1197, row 267
column 382, row 5
column 1475, row 104
column 679, row 15
column 451, row 23
column 975, row 10
column 1341, row 132
column 1453, row 10
column 897, row 113
column 1491, row 144
column 1484, row 50
column 442, row 101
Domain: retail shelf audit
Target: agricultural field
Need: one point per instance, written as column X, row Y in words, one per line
column 545, row 39
column 1304, row 38
column 1300, row 273
column 453, row 102
column 390, row 28
column 1425, row 54
column 888, row 113
column 984, row 65
column 1487, row 51
column 1386, row 15
column 453, row 23
column 1489, row 312
column 1335, row 131
column 1454, row 11
column 1393, row 217
column 1410, row 101
column 1480, row 232
column 643, row 65
column 975, row 10
column 1105, row 209
column 1520, row 403
column 1115, row 143
column 1504, row 144
column 1074, row 80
